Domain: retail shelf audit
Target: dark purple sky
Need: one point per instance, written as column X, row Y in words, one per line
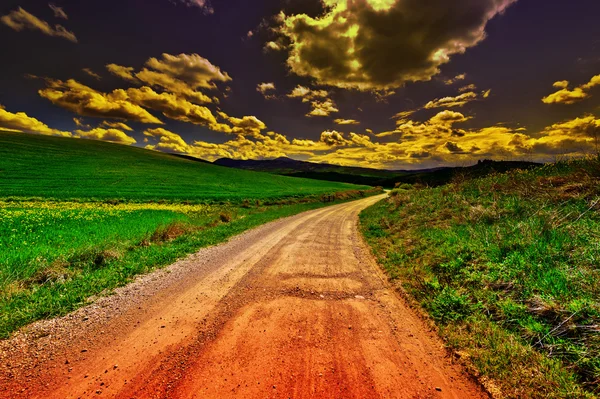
column 358, row 61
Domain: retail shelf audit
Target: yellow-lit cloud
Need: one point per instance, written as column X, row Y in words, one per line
column 322, row 108
column 92, row 73
column 567, row 96
column 20, row 19
column 85, row 101
column 112, row 135
column 123, row 72
column 449, row 102
column 455, row 79
column 346, row 122
column 265, row 89
column 117, row 125
column 192, row 69
column 59, row 12
column 307, row 94
column 21, row 122
column 382, row 44
column 171, row 106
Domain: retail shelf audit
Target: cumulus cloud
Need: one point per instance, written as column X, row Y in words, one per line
column 247, row 125
column 376, row 45
column 333, row 138
column 21, row 122
column 167, row 141
column 125, row 73
column 85, row 101
column 322, row 108
column 265, row 89
column 307, row 94
column 20, row 19
column 568, row 96
column 117, row 125
column 59, row 12
column 181, row 74
column 112, row 135
column 450, row 102
column 171, row 84
column 346, row 122
column 171, row 106
column 192, row 69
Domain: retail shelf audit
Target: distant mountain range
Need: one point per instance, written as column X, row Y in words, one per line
column 372, row 177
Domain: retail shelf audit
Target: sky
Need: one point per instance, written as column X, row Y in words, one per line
column 394, row 84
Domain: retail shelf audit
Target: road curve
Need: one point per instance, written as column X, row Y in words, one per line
column 296, row 308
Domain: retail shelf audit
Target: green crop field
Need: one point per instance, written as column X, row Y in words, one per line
column 508, row 267
column 79, row 218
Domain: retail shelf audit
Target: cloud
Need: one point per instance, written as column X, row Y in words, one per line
column 346, row 122
column 171, row 84
column 469, row 87
column 247, row 125
column 265, row 88
column 562, row 84
column 180, row 74
column 20, row 19
column 21, row 122
column 272, row 46
column 112, row 135
column 322, row 108
column 192, row 69
column 455, row 79
column 450, row 102
column 92, row 73
column 438, row 124
column 171, row 106
column 567, row 96
column 319, row 107
column 59, row 12
column 167, row 141
column 382, row 44
column 123, row 72
column 307, row 94
column 333, row 138
column 117, row 125
column 85, row 101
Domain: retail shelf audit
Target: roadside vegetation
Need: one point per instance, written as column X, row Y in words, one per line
column 508, row 266
column 79, row 218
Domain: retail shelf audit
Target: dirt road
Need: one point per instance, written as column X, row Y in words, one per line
column 293, row 309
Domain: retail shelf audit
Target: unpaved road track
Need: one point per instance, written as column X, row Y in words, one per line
column 294, row 309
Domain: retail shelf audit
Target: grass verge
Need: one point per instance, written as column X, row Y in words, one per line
column 56, row 255
column 508, row 267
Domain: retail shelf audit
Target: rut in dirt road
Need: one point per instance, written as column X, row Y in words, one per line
column 294, row 309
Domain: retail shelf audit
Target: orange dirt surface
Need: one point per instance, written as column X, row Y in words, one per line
column 296, row 308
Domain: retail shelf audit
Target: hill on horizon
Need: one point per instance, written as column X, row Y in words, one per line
column 370, row 176
column 66, row 168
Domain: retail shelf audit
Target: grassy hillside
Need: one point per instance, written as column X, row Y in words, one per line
column 63, row 168
column 508, row 267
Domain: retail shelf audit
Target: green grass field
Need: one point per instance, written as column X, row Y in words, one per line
column 79, row 218
column 508, row 267
column 63, row 168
